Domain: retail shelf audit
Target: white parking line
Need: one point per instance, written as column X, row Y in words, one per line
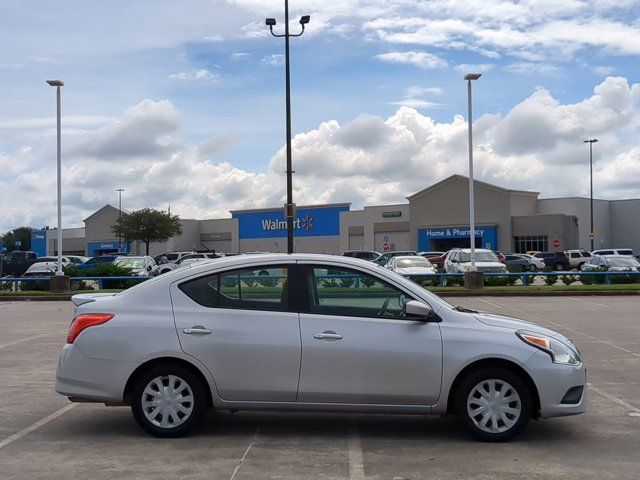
column 613, row 398
column 36, row 425
column 583, row 300
column 245, row 454
column 356, row 462
column 22, row 340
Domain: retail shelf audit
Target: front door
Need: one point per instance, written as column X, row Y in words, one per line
column 240, row 325
column 358, row 346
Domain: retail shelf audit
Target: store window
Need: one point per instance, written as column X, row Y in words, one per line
column 531, row 243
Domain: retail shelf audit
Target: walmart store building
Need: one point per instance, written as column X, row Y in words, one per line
column 435, row 218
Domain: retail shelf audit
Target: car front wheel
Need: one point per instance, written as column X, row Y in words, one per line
column 168, row 400
column 493, row 404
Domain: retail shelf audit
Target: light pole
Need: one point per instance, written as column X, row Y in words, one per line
column 472, row 212
column 120, row 190
column 270, row 22
column 58, row 84
column 591, row 142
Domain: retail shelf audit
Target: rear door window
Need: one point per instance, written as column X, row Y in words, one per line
column 625, row 252
column 256, row 288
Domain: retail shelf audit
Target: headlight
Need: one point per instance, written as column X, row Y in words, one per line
column 559, row 351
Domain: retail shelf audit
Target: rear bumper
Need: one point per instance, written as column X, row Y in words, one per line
column 87, row 379
column 553, row 381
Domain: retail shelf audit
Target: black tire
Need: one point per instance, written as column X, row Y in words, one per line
column 476, row 377
column 193, row 383
column 532, row 268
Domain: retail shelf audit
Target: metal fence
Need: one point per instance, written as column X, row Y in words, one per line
column 439, row 279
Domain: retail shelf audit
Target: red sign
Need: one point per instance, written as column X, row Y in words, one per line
column 592, row 236
column 556, row 243
column 385, row 246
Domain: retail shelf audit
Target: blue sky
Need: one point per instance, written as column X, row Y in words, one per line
column 183, row 102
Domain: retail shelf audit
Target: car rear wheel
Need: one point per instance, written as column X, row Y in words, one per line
column 532, row 268
column 168, row 400
column 559, row 267
column 493, row 404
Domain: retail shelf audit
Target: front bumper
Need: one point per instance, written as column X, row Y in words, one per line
column 553, row 381
column 83, row 378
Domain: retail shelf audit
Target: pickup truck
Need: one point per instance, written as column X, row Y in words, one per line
column 16, row 263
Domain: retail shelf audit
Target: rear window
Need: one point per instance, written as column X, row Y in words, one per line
column 625, row 252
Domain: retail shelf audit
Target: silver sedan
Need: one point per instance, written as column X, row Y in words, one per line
column 311, row 332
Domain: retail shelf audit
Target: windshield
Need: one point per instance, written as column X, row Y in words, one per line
column 130, row 262
column 480, row 257
column 623, row 262
column 413, row 262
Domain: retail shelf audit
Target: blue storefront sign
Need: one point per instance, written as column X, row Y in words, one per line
column 98, row 248
column 39, row 242
column 309, row 222
column 488, row 234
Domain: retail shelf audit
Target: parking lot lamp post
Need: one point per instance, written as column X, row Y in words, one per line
column 591, row 142
column 472, row 213
column 270, row 22
column 58, row 84
column 120, row 190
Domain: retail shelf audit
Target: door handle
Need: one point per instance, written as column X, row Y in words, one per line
column 197, row 330
column 327, row 335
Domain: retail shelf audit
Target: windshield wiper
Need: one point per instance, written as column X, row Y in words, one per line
column 460, row 308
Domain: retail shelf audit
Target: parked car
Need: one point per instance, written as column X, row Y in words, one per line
column 431, row 254
column 438, row 261
column 535, row 264
column 556, row 260
column 411, row 265
column 95, row 261
column 16, row 263
column 186, row 260
column 516, row 263
column 172, row 257
column 212, row 336
column 500, row 255
column 141, row 265
column 614, row 251
column 77, row 259
column 363, row 254
column 40, row 269
column 384, row 257
column 459, row 261
column 611, row 263
column 577, row 258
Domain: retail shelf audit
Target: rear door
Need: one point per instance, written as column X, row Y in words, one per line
column 241, row 324
column 358, row 347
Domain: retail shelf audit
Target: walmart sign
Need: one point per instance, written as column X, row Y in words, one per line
column 309, row 222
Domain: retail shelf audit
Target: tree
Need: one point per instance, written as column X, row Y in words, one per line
column 23, row 234
column 148, row 225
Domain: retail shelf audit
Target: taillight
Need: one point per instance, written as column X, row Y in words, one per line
column 86, row 320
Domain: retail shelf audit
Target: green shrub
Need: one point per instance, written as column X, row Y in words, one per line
column 367, row 281
column 550, row 279
column 329, row 283
column 347, row 282
column 568, row 279
column 623, row 278
column 594, row 279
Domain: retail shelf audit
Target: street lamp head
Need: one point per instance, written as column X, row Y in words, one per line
column 593, row 140
column 472, row 76
column 305, row 19
column 55, row 83
column 270, row 22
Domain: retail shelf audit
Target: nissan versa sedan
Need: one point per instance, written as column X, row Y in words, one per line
column 316, row 333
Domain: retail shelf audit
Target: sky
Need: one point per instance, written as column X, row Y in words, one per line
column 182, row 103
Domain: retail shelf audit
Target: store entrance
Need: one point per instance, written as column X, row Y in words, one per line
column 446, row 244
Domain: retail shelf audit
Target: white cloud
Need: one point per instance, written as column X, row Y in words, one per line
column 275, row 60
column 239, row 55
column 604, row 70
column 201, row 74
column 417, row 91
column 528, row 68
column 422, row 60
column 416, row 103
column 369, row 160
column 474, row 68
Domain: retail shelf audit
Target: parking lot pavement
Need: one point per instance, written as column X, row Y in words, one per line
column 41, row 436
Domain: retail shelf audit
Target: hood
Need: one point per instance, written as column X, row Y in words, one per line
column 516, row 324
column 416, row 270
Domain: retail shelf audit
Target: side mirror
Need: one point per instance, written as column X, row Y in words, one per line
column 421, row 311
column 453, row 260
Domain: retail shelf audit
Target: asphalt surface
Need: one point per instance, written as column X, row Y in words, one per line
column 42, row 435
